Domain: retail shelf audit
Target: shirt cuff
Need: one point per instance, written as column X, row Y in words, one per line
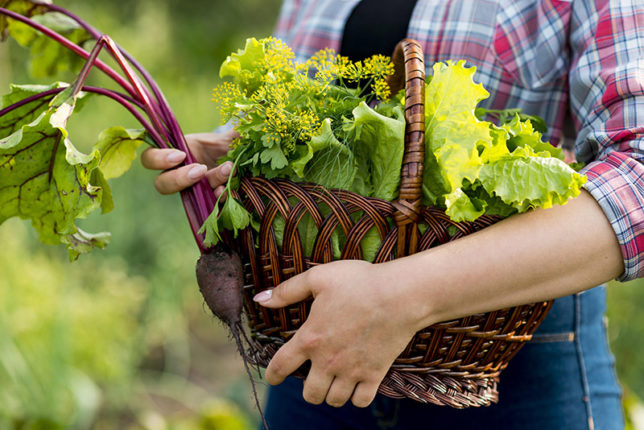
column 617, row 183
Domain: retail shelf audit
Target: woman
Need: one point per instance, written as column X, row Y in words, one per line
column 556, row 59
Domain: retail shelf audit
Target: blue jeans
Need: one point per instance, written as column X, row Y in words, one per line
column 563, row 379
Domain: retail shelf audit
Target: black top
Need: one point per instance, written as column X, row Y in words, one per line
column 375, row 27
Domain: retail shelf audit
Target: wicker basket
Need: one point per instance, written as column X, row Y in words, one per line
column 455, row 363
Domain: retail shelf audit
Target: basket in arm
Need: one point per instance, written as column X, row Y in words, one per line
column 455, row 363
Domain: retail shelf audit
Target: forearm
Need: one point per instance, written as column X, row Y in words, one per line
column 526, row 258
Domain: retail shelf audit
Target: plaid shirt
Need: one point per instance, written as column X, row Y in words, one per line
column 579, row 64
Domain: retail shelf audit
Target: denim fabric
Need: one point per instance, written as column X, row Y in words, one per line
column 563, row 379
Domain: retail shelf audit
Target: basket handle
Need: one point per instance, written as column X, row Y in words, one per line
column 409, row 62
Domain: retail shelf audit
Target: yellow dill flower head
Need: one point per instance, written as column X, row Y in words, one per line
column 226, row 95
column 381, row 89
column 278, row 61
column 378, row 66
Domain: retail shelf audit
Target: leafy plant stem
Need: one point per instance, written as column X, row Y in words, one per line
column 163, row 105
column 70, row 45
column 122, row 99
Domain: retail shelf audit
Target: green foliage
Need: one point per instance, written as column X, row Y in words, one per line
column 23, row 7
column 153, row 355
column 301, row 121
column 117, row 147
column 46, row 179
column 48, row 58
column 474, row 166
column 67, row 332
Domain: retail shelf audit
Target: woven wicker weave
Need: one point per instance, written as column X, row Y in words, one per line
column 455, row 363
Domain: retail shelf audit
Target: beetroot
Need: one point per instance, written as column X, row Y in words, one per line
column 221, row 279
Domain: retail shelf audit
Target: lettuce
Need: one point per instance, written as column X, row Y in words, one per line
column 473, row 167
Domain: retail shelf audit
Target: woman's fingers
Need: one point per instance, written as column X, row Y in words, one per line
column 364, row 394
column 286, row 360
column 176, row 180
column 316, row 386
column 173, row 180
column 219, row 175
column 208, row 147
column 340, row 392
column 161, row 159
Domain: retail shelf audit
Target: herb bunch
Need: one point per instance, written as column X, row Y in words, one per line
column 295, row 119
column 279, row 105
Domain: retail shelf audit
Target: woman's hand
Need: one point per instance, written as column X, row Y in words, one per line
column 358, row 325
column 207, row 148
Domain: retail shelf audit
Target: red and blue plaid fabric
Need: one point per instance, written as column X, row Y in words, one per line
column 579, row 64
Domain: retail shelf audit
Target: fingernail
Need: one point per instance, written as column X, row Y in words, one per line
column 226, row 168
column 197, row 172
column 175, row 156
column 264, row 296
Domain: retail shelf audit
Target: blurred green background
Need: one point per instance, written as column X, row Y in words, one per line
column 120, row 338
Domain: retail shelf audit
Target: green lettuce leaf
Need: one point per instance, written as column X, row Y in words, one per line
column 242, row 66
column 498, row 147
column 523, row 134
column 453, row 133
column 460, row 207
column 379, row 144
column 525, row 180
column 332, row 164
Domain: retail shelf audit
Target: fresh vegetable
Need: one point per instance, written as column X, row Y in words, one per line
column 301, row 121
column 220, row 278
column 44, row 178
column 318, row 121
column 474, row 166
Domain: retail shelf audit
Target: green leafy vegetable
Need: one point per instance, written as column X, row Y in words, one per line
column 525, row 180
column 118, row 148
column 301, row 121
column 48, row 58
column 28, row 112
column 23, row 7
column 378, row 145
column 473, row 166
column 45, row 178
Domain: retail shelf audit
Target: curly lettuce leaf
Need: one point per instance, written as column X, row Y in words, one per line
column 453, row 133
column 460, row 207
column 522, row 134
column 525, row 180
column 242, row 66
column 475, row 167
